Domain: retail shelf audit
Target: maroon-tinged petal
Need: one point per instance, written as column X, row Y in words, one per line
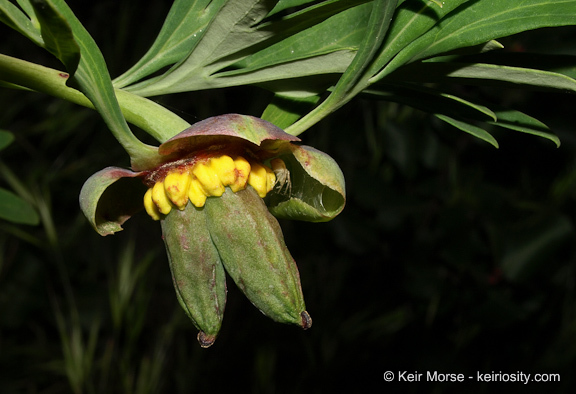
column 110, row 197
column 223, row 130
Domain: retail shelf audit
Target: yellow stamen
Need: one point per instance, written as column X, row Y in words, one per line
column 176, row 185
column 242, row 172
column 225, row 168
column 161, row 199
column 261, row 178
column 151, row 208
column 208, row 179
column 196, row 193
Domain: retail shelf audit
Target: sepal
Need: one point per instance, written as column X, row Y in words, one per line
column 313, row 189
column 110, row 197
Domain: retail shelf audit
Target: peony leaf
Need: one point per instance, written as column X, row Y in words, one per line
column 17, row 210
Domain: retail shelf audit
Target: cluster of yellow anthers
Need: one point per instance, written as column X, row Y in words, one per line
column 205, row 178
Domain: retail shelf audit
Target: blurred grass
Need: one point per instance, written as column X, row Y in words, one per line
column 450, row 255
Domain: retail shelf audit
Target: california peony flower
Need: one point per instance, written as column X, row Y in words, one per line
column 216, row 191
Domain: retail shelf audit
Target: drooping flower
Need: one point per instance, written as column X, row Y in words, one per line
column 215, row 192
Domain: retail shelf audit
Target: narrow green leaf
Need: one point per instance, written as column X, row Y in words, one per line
column 476, row 22
column 237, row 32
column 14, row 18
column 483, row 74
column 28, row 8
column 6, row 139
column 282, row 5
column 518, row 121
column 183, row 28
column 283, row 111
column 408, row 24
column 325, row 37
column 432, row 101
column 330, row 63
column 470, row 129
column 17, row 210
column 355, row 78
column 561, row 64
column 378, row 24
column 57, row 35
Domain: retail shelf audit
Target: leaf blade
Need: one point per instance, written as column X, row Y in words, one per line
column 476, row 22
column 17, row 210
column 470, row 129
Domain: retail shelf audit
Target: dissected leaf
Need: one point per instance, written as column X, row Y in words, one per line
column 183, row 28
column 408, row 24
column 57, row 35
column 13, row 17
column 238, row 32
column 476, row 22
column 325, row 37
column 94, row 81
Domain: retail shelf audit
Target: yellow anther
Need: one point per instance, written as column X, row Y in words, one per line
column 150, row 207
column 225, row 168
column 161, row 199
column 261, row 179
column 270, row 179
column 196, row 193
column 242, row 173
column 176, row 185
column 209, row 179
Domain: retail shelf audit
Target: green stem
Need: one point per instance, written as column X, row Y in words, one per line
column 154, row 119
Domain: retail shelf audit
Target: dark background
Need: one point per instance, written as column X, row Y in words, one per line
column 450, row 255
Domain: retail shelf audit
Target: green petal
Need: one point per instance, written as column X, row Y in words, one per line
column 224, row 130
column 316, row 189
column 110, row 197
